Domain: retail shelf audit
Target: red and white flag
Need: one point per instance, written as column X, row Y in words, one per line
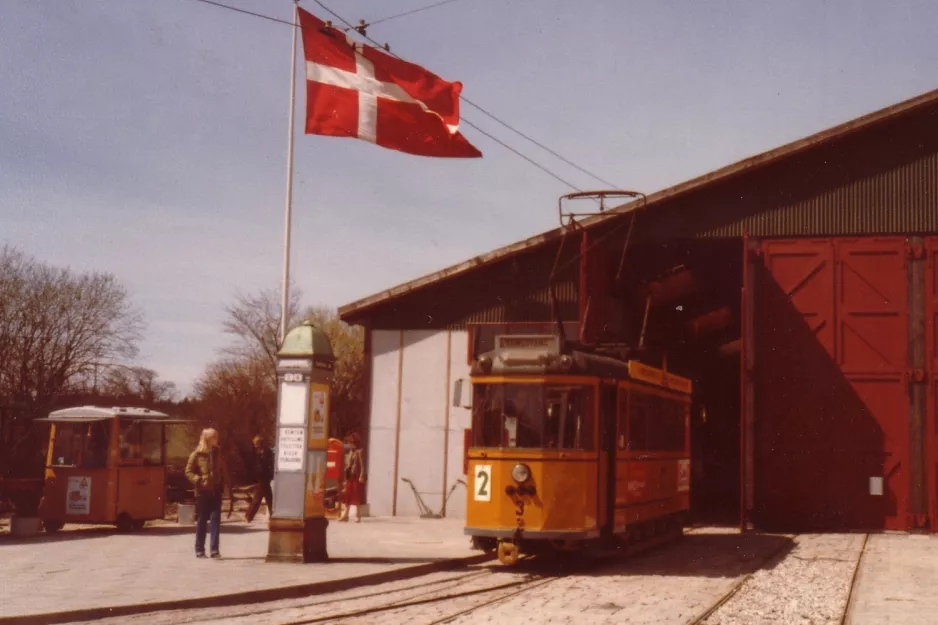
column 354, row 90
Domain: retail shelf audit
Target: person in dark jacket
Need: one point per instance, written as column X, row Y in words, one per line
column 208, row 472
column 264, row 473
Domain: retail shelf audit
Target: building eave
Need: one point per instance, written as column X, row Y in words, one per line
column 356, row 310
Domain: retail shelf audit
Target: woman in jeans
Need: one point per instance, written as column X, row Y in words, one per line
column 207, row 471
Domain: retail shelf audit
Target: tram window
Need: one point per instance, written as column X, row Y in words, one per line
column 532, row 416
column 525, row 403
column 66, row 448
column 638, row 421
column 622, row 422
column 661, row 424
column 575, row 426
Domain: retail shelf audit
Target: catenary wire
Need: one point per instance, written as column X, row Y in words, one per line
column 474, row 105
column 411, row 12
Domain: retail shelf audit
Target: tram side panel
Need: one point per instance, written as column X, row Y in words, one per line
column 652, row 455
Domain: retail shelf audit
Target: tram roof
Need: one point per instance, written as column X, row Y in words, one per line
column 602, row 366
column 90, row 414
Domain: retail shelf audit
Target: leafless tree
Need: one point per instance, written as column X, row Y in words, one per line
column 254, row 322
column 137, row 382
column 55, row 325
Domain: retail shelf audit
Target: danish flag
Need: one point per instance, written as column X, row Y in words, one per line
column 354, row 90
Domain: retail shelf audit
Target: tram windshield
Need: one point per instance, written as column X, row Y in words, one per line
column 532, row 416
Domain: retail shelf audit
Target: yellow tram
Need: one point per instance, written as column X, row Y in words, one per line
column 574, row 449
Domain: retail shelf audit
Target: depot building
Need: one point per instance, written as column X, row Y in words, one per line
column 797, row 289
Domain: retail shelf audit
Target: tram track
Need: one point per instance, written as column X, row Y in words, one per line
column 848, row 604
column 447, row 582
column 771, row 558
column 514, row 588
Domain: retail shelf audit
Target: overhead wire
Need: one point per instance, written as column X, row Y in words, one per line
column 411, row 12
column 469, row 123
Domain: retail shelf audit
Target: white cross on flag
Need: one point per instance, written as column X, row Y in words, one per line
column 353, row 90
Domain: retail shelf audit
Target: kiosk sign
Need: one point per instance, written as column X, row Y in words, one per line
column 290, row 449
column 78, row 495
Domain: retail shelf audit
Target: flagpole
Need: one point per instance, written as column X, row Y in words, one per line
column 285, row 287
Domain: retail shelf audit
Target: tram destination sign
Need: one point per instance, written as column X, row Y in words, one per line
column 528, row 342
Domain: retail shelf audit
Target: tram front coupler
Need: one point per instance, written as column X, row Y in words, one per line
column 508, row 552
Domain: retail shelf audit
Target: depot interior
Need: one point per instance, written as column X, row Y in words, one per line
column 681, row 302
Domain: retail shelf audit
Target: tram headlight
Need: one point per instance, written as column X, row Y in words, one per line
column 521, row 473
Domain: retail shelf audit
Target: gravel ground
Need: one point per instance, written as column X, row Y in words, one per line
column 808, row 587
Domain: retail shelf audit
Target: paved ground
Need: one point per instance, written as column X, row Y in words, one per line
column 781, row 580
column 87, row 568
column 897, row 582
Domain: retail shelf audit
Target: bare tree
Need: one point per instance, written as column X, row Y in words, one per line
column 254, row 321
column 348, row 381
column 139, row 383
column 55, row 326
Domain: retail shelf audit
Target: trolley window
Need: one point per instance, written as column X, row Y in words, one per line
column 97, row 444
column 67, row 445
column 141, row 442
column 533, row 416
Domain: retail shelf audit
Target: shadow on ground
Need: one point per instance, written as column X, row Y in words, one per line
column 155, row 531
column 696, row 555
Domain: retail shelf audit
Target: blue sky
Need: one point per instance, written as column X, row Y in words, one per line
column 148, row 139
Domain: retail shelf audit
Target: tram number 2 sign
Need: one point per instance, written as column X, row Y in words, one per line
column 482, row 483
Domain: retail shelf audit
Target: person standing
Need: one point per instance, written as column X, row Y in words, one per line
column 208, row 472
column 354, row 478
column 264, row 472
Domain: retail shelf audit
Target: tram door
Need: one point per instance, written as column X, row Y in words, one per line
column 608, row 403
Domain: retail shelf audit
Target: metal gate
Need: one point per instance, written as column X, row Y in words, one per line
column 832, row 427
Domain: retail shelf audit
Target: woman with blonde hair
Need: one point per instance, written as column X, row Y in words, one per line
column 208, row 472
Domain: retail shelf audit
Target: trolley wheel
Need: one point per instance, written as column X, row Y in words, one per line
column 125, row 523
column 138, row 525
column 52, row 525
column 508, row 553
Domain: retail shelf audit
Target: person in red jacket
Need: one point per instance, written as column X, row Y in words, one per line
column 354, row 478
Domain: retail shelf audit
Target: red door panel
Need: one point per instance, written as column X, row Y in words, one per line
column 833, row 399
column 931, row 359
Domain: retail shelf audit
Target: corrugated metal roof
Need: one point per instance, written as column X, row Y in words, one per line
column 724, row 174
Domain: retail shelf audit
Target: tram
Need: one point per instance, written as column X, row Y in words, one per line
column 573, row 450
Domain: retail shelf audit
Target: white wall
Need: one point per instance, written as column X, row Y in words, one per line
column 459, row 420
column 384, row 373
column 425, row 405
